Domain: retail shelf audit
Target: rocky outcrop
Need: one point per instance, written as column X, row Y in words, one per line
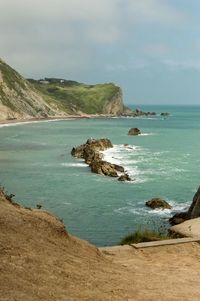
column 178, row 218
column 103, row 168
column 137, row 113
column 134, row 132
column 91, row 153
column 157, row 203
column 193, row 211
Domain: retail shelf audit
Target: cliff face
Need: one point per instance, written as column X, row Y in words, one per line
column 115, row 105
column 21, row 98
column 18, row 98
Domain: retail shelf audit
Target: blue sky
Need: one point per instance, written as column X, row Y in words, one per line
column 151, row 48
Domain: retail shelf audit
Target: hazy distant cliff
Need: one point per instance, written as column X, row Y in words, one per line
column 21, row 98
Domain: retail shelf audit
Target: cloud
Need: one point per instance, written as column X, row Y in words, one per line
column 66, row 34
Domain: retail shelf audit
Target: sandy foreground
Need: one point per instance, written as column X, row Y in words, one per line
column 41, row 261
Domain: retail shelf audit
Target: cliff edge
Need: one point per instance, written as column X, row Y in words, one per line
column 41, row 261
column 52, row 97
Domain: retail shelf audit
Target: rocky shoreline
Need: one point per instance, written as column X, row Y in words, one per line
column 91, row 152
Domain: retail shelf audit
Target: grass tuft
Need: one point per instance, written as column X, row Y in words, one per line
column 143, row 236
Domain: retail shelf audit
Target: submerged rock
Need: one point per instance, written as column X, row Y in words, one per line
column 164, row 114
column 124, row 178
column 157, row 203
column 134, row 132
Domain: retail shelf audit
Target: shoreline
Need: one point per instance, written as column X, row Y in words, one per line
column 13, row 122
column 7, row 122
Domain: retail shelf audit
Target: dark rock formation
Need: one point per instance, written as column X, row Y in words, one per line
column 137, row 113
column 124, row 177
column 164, row 114
column 158, row 203
column 134, row 132
column 178, row 218
column 193, row 212
column 91, row 152
column 103, row 168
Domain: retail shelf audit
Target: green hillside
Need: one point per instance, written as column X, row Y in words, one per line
column 21, row 98
column 72, row 96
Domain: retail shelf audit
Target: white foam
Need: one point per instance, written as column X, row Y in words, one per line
column 143, row 210
column 74, row 164
column 147, row 134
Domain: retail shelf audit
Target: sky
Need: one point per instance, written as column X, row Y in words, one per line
column 150, row 48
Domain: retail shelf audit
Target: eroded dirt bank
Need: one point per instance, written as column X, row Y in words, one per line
column 41, row 261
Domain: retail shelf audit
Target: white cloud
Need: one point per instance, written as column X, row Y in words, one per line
column 65, row 33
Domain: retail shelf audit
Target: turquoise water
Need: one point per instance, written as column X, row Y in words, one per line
column 37, row 167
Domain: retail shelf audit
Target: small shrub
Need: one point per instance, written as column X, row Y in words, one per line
column 143, row 236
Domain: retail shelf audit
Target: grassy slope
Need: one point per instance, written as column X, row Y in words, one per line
column 74, row 96
column 19, row 95
column 13, row 80
column 32, row 97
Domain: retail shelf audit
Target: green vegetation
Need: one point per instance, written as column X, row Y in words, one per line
column 72, row 96
column 144, row 236
column 52, row 96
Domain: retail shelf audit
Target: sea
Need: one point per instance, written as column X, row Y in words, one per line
column 37, row 167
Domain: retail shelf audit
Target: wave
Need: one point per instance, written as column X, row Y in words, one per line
column 127, row 156
column 147, row 134
column 145, row 211
column 74, row 164
column 141, row 164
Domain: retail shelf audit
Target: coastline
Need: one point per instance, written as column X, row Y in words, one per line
column 10, row 122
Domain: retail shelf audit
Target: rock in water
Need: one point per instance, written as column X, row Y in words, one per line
column 134, row 132
column 103, row 168
column 124, row 177
column 157, row 203
column 164, row 114
column 91, row 152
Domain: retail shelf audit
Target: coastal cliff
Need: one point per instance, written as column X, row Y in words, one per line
column 19, row 99
column 51, row 97
column 78, row 98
